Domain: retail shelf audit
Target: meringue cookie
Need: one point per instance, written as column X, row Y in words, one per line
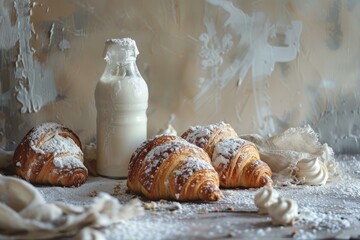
column 283, row 212
column 312, row 172
column 264, row 198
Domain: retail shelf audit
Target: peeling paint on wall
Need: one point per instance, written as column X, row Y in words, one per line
column 335, row 34
column 8, row 30
column 262, row 66
column 35, row 87
column 64, row 44
column 254, row 50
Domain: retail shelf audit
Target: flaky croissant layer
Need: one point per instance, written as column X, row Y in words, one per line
column 168, row 167
column 206, row 137
column 237, row 161
column 50, row 154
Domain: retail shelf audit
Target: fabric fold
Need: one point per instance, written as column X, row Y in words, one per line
column 26, row 215
column 282, row 152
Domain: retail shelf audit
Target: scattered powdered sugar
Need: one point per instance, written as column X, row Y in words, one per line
column 42, row 130
column 116, row 45
column 191, row 166
column 199, row 135
column 36, row 149
column 323, row 220
column 302, row 234
column 66, row 152
column 59, row 145
column 53, row 142
column 68, row 162
column 225, row 150
column 325, row 211
column 157, row 156
column 142, row 145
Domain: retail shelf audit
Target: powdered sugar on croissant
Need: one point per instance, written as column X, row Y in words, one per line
column 51, row 154
column 168, row 167
column 191, row 166
column 238, row 164
column 206, row 137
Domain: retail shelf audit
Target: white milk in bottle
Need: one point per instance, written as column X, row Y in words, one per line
column 121, row 98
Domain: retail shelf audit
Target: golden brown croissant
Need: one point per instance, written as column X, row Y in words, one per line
column 50, row 154
column 238, row 164
column 168, row 167
column 206, row 137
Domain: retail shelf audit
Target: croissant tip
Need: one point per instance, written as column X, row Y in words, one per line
column 266, row 181
column 218, row 195
column 211, row 193
column 77, row 179
column 213, row 197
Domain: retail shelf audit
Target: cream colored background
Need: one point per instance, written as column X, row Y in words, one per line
column 185, row 47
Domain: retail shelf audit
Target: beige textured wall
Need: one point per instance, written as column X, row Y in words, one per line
column 262, row 66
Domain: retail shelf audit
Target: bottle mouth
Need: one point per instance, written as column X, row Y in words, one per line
column 120, row 51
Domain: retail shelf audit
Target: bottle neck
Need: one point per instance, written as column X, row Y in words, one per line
column 126, row 69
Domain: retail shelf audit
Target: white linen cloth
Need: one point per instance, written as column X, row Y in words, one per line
column 26, row 215
column 283, row 151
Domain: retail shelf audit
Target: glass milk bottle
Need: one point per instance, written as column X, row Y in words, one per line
column 121, row 98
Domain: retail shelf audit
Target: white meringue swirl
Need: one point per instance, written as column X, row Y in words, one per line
column 312, row 172
column 283, row 212
column 264, row 198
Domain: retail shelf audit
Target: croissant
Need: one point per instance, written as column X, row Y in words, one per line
column 206, row 137
column 50, row 154
column 168, row 167
column 238, row 164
